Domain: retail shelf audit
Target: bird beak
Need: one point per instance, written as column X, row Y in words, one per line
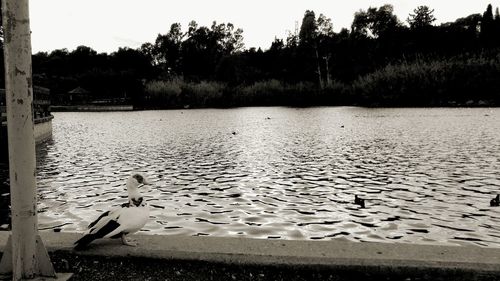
column 144, row 183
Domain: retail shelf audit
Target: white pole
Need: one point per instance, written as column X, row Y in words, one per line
column 20, row 130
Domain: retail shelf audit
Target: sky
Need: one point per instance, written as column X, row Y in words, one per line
column 106, row 25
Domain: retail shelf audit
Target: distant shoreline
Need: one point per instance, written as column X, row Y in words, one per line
column 91, row 108
column 118, row 108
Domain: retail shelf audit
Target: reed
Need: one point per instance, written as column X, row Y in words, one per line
column 202, row 94
column 274, row 92
column 259, row 93
column 455, row 81
column 176, row 93
column 163, row 93
column 446, row 82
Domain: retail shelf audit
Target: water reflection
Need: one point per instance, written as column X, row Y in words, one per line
column 427, row 174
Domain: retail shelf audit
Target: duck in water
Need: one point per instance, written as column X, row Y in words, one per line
column 495, row 202
column 359, row 201
column 118, row 222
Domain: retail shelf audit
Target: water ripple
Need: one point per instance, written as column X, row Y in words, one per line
column 426, row 175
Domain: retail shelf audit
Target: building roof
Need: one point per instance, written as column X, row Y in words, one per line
column 78, row 90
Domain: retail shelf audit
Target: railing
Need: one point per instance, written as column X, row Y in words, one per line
column 41, row 105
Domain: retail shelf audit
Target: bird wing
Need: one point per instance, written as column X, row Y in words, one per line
column 98, row 219
column 103, row 219
column 130, row 220
column 122, row 219
column 105, row 224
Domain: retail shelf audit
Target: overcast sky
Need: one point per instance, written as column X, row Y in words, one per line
column 106, row 25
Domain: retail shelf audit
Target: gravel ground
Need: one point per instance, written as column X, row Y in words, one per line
column 102, row 268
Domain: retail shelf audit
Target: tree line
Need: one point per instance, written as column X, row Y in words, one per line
column 377, row 61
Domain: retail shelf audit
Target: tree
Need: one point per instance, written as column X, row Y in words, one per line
column 292, row 40
column 192, row 27
column 205, row 47
column 496, row 23
column 147, row 49
column 308, row 29
column 487, row 26
column 167, row 48
column 82, row 58
column 383, row 20
column 277, row 45
column 375, row 22
column 488, row 14
column 360, row 23
column 198, row 52
column 308, row 39
column 129, row 67
column 1, row 33
column 471, row 24
column 422, row 18
column 231, row 40
column 130, row 60
column 324, row 39
column 237, row 41
column 324, row 26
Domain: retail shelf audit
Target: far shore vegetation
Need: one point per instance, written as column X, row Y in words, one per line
column 380, row 60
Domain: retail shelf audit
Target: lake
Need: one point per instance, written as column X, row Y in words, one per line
column 283, row 173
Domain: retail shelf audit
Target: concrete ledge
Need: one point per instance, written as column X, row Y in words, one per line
column 285, row 252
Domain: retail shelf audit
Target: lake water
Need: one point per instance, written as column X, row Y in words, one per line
column 283, row 173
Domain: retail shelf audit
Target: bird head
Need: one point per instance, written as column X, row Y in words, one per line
column 136, row 180
column 134, row 183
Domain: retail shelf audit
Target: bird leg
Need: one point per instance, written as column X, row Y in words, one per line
column 126, row 242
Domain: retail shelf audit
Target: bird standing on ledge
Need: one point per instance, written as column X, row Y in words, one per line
column 118, row 222
column 495, row 202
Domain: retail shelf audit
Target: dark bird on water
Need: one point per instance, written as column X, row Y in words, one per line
column 234, row 133
column 495, row 202
column 120, row 221
column 359, row 201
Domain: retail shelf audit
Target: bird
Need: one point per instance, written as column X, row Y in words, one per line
column 122, row 220
column 495, row 202
column 359, row 201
